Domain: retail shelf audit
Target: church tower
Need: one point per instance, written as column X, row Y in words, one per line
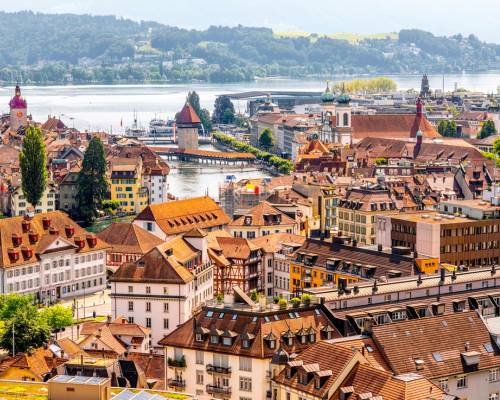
column 188, row 124
column 343, row 128
column 18, row 111
column 425, row 90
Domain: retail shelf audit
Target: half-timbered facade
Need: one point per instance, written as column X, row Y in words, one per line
column 238, row 262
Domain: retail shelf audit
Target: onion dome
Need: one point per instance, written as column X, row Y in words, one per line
column 18, row 101
column 327, row 96
column 343, row 98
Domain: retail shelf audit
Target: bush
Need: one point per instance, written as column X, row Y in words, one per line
column 306, row 299
column 295, row 301
column 276, row 299
column 282, row 303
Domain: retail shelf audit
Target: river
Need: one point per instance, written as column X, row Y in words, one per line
column 101, row 107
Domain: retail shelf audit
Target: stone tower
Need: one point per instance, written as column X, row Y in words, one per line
column 18, row 111
column 188, row 124
column 343, row 128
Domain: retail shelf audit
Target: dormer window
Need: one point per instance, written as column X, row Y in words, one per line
column 317, row 383
column 288, row 373
column 245, row 344
column 303, row 339
column 199, row 337
column 312, row 337
column 303, row 378
column 272, row 344
column 227, row 341
column 289, row 341
column 214, row 339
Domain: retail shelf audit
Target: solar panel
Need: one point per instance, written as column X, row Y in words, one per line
column 143, row 396
column 125, row 395
column 437, row 356
column 80, row 379
column 488, row 347
column 62, row 378
column 95, row 381
column 297, row 315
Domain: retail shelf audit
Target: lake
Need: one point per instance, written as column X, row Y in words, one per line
column 101, row 107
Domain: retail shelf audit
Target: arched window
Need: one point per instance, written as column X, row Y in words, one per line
column 346, row 119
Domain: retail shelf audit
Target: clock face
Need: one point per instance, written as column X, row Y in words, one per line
column 315, row 136
column 19, row 114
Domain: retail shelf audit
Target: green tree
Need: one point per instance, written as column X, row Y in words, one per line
column 223, row 110
column 18, row 313
column 33, row 162
column 91, row 181
column 204, row 114
column 57, row 316
column 487, row 129
column 496, row 147
column 28, row 332
column 447, row 128
column 10, row 304
column 266, row 139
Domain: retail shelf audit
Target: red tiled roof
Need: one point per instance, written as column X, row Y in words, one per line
column 188, row 116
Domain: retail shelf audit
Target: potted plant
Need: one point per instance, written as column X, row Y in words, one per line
column 295, row 302
column 219, row 297
column 282, row 303
column 276, row 299
column 306, row 299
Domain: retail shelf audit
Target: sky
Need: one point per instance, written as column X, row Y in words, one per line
column 441, row 17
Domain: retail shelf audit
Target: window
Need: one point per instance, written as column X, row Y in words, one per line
column 131, row 289
column 227, row 341
column 149, row 226
column 131, row 320
column 148, row 306
column 245, row 384
column 245, row 364
column 165, row 307
column 200, row 357
column 148, row 289
column 461, row 381
column 165, row 323
column 443, row 384
column 148, row 322
column 199, row 377
column 494, row 375
column 131, row 306
column 214, row 339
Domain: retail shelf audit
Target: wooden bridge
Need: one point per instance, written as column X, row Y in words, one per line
column 204, row 156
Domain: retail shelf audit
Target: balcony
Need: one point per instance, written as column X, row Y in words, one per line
column 221, row 390
column 177, row 363
column 215, row 369
column 177, row 383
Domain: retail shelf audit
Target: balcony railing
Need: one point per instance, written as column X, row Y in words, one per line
column 218, row 370
column 177, row 383
column 212, row 389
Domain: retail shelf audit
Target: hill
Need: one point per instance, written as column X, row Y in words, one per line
column 56, row 48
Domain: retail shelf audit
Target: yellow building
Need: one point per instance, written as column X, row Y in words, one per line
column 126, row 184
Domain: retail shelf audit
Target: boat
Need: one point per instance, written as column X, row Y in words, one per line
column 135, row 130
column 161, row 127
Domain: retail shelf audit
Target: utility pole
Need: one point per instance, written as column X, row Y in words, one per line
column 13, row 340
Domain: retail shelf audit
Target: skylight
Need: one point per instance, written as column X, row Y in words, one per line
column 267, row 318
column 234, row 316
column 369, row 348
column 276, row 317
column 437, row 356
column 291, row 315
column 254, row 319
column 297, row 315
column 317, row 312
column 488, row 347
column 210, row 314
column 221, row 315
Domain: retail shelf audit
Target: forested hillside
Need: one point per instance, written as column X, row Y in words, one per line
column 83, row 48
